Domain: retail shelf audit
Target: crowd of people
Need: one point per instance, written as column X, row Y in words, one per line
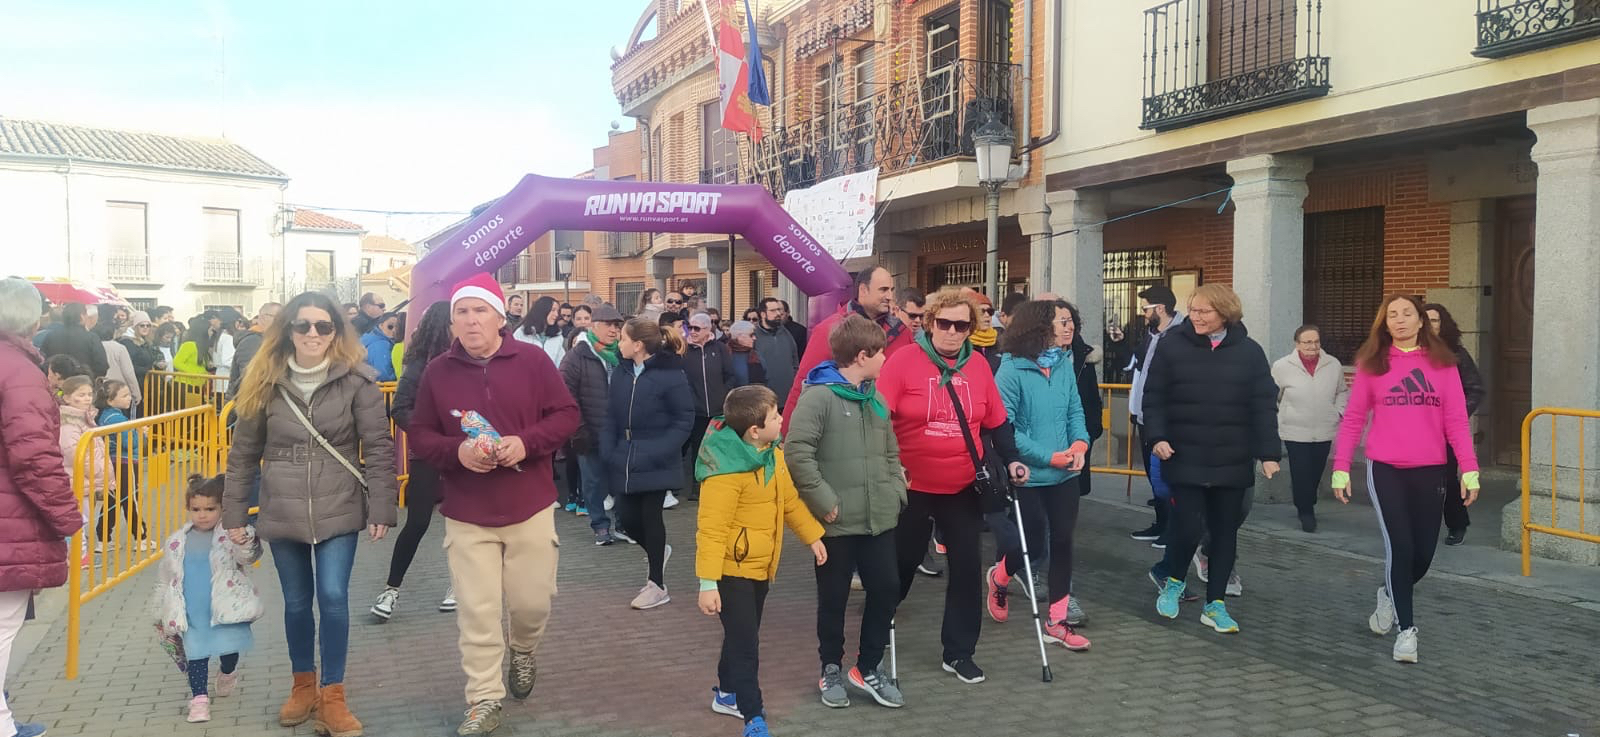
column 868, row 436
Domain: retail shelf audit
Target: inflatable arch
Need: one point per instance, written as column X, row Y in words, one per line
column 540, row 204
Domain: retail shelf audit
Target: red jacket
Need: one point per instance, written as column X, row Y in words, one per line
column 520, row 392
column 818, row 350
column 36, row 505
column 931, row 446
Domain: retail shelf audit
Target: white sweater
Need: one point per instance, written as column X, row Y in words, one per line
column 1309, row 406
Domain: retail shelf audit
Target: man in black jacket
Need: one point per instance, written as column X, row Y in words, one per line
column 249, row 343
column 709, row 366
column 587, row 370
column 74, row 339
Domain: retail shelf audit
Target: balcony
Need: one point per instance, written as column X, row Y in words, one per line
column 539, row 268
column 625, row 245
column 128, row 268
column 909, row 123
column 225, row 270
column 1507, row 27
column 1208, row 59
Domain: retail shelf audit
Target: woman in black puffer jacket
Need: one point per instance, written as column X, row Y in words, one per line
column 647, row 423
column 1210, row 410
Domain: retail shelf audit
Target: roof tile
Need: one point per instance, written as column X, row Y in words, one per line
column 30, row 138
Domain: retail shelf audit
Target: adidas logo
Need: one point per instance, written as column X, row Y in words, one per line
column 1414, row 390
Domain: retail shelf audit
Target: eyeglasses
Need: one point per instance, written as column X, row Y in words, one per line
column 959, row 326
column 914, row 315
column 696, row 328
column 142, row 326
column 304, row 327
column 674, row 301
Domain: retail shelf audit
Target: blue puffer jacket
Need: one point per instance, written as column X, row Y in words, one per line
column 647, row 422
column 380, row 354
column 1046, row 411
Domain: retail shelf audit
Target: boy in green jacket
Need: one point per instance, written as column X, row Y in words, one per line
column 844, row 459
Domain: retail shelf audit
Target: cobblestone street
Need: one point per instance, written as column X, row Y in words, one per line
column 1496, row 662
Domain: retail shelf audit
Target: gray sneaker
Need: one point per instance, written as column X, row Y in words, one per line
column 1075, row 615
column 482, row 718
column 878, row 685
column 650, row 597
column 523, row 670
column 832, row 686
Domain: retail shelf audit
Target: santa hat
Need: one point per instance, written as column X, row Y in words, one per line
column 480, row 286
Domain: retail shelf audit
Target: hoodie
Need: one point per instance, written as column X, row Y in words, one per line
column 746, row 498
column 1416, row 408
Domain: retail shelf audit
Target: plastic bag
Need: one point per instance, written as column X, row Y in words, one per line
column 480, row 433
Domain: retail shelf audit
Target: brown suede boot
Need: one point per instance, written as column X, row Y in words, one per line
column 302, row 700
column 333, row 716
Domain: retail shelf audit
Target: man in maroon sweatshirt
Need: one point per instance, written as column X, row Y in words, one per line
column 498, row 498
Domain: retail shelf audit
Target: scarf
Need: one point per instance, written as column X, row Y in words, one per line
column 986, row 337
column 945, row 369
column 607, row 355
column 1049, row 358
column 723, row 452
column 892, row 326
column 827, row 374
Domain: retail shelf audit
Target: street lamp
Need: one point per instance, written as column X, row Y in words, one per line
column 564, row 261
column 992, row 142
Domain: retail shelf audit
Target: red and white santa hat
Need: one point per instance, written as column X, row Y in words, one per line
column 480, row 286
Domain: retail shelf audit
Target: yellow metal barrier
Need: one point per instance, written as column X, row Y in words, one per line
column 1127, row 466
column 1528, row 526
column 132, row 475
column 170, row 391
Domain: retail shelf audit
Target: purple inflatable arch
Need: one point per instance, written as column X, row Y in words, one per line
column 540, row 204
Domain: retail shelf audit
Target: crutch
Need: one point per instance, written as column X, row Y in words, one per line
column 894, row 663
column 1027, row 565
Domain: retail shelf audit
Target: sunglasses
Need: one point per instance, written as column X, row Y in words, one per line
column 988, row 310
column 959, row 326
column 304, row 327
column 696, row 328
column 674, row 301
column 914, row 315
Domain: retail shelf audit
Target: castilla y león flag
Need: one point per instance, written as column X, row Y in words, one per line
column 733, row 73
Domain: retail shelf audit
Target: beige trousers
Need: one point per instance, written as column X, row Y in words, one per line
column 515, row 564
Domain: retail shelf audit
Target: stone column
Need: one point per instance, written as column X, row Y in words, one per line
column 1077, row 256
column 1472, row 234
column 1566, row 372
column 659, row 269
column 1033, row 218
column 714, row 261
column 1269, row 246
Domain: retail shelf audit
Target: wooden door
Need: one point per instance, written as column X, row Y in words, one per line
column 1512, row 344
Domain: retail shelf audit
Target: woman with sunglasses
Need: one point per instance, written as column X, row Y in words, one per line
column 916, row 385
column 310, row 415
column 141, row 344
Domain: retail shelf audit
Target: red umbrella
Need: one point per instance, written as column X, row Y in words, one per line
column 60, row 291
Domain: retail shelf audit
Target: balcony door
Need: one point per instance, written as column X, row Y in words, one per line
column 941, row 96
column 1248, row 35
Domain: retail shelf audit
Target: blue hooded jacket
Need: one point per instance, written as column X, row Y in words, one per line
column 380, row 354
column 1046, row 412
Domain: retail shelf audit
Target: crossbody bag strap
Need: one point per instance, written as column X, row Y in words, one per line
column 322, row 440
column 966, row 431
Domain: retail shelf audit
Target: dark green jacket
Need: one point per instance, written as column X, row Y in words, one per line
column 842, row 455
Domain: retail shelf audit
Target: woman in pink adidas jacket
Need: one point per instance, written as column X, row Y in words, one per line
column 1406, row 378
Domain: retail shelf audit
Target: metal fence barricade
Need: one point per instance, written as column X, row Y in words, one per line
column 1561, row 477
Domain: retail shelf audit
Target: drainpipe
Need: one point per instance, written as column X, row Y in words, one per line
column 1053, row 10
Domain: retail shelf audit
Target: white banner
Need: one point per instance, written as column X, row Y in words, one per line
column 838, row 213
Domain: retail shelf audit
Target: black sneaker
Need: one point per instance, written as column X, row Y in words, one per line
column 965, row 669
column 1147, row 534
column 1160, row 543
column 930, row 567
column 1456, row 536
column 604, row 537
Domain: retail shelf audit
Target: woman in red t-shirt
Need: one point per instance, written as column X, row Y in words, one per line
column 939, row 470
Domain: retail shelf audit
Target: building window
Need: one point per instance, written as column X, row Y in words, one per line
column 319, row 270
column 719, row 148
column 222, row 231
column 763, row 284
column 127, row 241
column 658, row 172
column 142, row 304
column 1127, row 273
column 970, row 274
column 1343, row 276
column 366, row 265
column 627, row 295
column 996, row 25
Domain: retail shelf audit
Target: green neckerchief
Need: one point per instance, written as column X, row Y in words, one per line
column 870, row 398
column 607, row 354
column 724, row 452
column 945, row 369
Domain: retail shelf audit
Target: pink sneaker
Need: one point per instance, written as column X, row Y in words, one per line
column 1063, row 634
column 227, row 683
column 200, row 709
column 996, row 600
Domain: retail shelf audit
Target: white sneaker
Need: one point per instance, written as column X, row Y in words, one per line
column 448, row 604
column 669, row 502
column 384, row 608
column 609, row 503
column 1235, row 586
column 1202, row 566
column 650, row 597
column 1405, row 646
column 1382, row 619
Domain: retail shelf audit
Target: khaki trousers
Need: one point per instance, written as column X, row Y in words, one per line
column 516, row 564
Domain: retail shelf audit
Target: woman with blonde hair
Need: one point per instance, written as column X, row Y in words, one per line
column 310, row 414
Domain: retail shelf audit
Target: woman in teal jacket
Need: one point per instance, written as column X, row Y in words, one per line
column 1040, row 391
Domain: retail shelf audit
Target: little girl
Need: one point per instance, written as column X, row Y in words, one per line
column 114, row 399
column 77, row 418
column 204, row 594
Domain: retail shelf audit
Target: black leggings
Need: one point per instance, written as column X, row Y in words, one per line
column 1056, row 506
column 1197, row 511
column 1455, row 508
column 640, row 515
column 1409, row 502
column 574, row 479
column 960, row 523
column 200, row 671
column 1306, row 463
column 422, row 493
column 127, row 500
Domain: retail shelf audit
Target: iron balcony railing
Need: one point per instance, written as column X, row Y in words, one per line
column 909, row 122
column 1207, row 59
column 222, row 269
column 625, row 245
column 128, row 267
column 1507, row 27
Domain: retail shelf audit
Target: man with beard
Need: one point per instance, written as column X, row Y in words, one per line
column 874, row 299
column 776, row 347
column 1158, row 304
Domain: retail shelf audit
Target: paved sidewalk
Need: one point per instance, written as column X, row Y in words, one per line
column 1497, row 660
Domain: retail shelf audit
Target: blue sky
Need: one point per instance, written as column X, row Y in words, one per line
column 399, row 105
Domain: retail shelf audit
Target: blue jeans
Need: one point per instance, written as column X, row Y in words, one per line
column 330, row 582
column 595, row 490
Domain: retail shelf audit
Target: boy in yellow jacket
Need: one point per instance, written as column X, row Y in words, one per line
column 746, row 497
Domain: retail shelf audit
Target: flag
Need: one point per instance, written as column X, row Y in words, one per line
column 733, row 74
column 759, row 93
